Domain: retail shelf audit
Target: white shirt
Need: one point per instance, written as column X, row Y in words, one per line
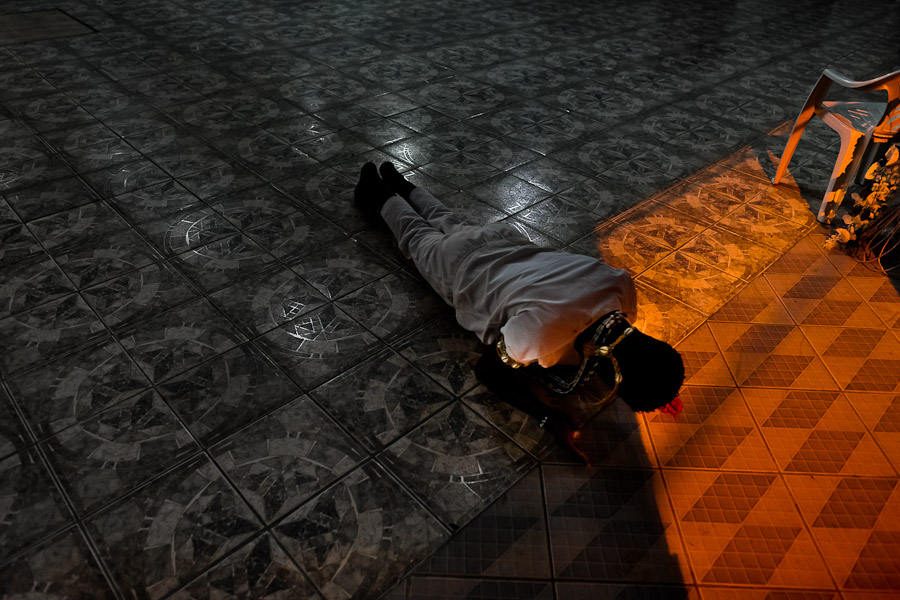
column 540, row 299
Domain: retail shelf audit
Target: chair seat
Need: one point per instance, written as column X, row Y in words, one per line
column 856, row 116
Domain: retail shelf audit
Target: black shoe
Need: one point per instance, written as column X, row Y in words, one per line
column 394, row 180
column 371, row 192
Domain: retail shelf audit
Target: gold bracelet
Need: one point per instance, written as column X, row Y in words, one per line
column 505, row 357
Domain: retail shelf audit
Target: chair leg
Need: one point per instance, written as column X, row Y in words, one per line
column 791, row 145
column 849, row 157
column 806, row 114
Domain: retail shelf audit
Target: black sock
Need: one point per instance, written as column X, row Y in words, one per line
column 396, row 181
column 371, row 192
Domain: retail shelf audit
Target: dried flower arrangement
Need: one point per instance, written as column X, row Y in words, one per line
column 874, row 212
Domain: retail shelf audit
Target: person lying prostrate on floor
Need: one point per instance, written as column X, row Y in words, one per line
column 555, row 319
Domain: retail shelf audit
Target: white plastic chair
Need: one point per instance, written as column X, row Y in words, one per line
column 858, row 123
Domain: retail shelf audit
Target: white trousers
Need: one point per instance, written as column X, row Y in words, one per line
column 436, row 239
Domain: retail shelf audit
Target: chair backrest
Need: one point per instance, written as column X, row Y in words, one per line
column 889, row 123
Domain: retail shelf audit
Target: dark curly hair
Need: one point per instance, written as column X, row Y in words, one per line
column 652, row 371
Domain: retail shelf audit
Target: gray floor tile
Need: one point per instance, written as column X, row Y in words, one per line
column 261, row 568
column 179, row 339
column 76, row 386
column 33, row 507
column 230, row 135
column 359, row 536
column 223, row 395
column 456, row 463
column 62, row 566
column 118, row 450
column 381, row 399
column 284, row 459
column 169, row 532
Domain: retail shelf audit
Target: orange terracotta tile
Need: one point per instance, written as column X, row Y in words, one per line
column 805, row 258
column 756, row 303
column 883, row 296
column 703, row 363
column 715, row 431
column 827, row 300
column 744, row 529
column 777, row 356
column 718, row 593
column 881, row 415
column 816, row 432
column 859, row 359
column 844, row 515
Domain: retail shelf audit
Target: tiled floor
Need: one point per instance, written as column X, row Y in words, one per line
column 219, row 381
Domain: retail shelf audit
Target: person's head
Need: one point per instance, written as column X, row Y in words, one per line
column 652, row 371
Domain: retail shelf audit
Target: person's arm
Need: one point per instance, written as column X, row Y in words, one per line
column 525, row 393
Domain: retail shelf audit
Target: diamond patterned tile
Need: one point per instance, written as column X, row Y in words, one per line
column 762, row 355
column 859, row 359
column 626, row 114
column 882, row 294
column 612, row 524
column 823, row 300
column 509, row 539
column 881, row 415
column 703, row 363
column 608, row 591
column 805, row 259
column 446, row 588
column 816, row 432
column 876, row 567
column 718, row 593
column 756, row 303
column 715, row 431
column 743, row 528
column 614, row 437
column 851, row 518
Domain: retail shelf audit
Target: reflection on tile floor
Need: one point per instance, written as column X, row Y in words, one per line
column 219, row 380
